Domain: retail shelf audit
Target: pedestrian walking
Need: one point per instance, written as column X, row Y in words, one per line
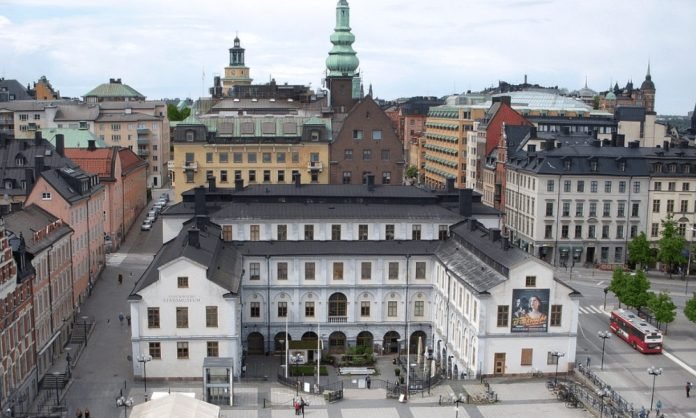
column 302, row 405
column 588, row 362
column 87, row 413
column 120, row 278
column 120, row 317
column 297, row 407
column 78, row 413
column 367, row 381
column 688, row 389
column 128, row 319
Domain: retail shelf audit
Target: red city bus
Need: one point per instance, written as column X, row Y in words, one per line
column 636, row 331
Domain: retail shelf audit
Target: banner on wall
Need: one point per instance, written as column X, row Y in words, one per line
column 530, row 310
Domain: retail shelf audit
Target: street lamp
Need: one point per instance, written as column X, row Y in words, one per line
column 429, row 359
column 84, row 323
column 57, row 377
column 460, row 399
column 654, row 372
column 556, row 355
column 144, row 359
column 124, row 402
column 602, row 393
column 604, row 335
column 68, row 359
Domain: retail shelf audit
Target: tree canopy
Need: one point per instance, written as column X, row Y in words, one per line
column 663, row 308
column 630, row 289
column 412, row 172
column 639, row 251
column 174, row 114
column 690, row 309
column 671, row 245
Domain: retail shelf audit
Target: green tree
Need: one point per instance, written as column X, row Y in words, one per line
column 663, row 308
column 639, row 251
column 412, row 172
column 618, row 284
column 595, row 103
column 636, row 289
column 690, row 309
column 174, row 114
column 671, row 245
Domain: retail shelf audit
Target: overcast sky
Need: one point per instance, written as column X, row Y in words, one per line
column 173, row 48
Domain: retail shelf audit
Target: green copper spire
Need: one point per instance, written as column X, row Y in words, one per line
column 342, row 60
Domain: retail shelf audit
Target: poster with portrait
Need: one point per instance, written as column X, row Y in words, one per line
column 530, row 310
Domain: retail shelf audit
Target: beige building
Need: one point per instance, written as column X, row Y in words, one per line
column 253, row 149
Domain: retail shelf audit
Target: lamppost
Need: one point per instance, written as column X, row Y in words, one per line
column 460, row 399
column 68, row 359
column 56, row 375
column 144, row 359
column 602, row 393
column 654, row 372
column 297, row 359
column 556, row 355
column 84, row 323
column 124, row 402
column 285, row 356
column 604, row 335
column 429, row 359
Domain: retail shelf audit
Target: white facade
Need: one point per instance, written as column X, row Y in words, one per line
column 170, row 338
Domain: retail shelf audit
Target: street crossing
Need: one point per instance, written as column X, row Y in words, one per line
column 592, row 309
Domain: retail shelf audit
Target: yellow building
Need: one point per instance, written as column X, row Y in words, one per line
column 254, row 149
column 446, row 144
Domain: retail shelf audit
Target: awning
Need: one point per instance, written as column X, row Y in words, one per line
column 577, row 249
column 563, row 249
column 49, row 342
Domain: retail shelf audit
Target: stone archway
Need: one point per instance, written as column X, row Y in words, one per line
column 418, row 335
column 309, row 336
column 279, row 341
column 364, row 339
column 255, row 343
column 337, row 342
column 391, row 342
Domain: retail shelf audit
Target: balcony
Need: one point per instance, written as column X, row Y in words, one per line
column 143, row 140
column 171, row 165
column 315, row 166
column 143, row 152
column 143, row 131
column 338, row 319
column 190, row 165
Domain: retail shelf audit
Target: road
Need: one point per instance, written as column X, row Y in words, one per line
column 626, row 369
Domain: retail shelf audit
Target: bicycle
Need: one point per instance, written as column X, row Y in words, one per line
column 535, row 373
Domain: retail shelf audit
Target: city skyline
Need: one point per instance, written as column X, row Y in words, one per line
column 404, row 49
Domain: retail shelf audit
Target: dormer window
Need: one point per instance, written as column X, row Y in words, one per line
column 20, row 160
column 657, row 168
column 622, row 165
column 593, row 165
column 686, row 169
column 567, row 164
column 672, row 168
column 190, row 136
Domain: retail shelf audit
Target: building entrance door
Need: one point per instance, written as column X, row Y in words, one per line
column 499, row 363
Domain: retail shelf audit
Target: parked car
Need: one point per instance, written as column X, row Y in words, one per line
column 147, row 225
column 152, row 215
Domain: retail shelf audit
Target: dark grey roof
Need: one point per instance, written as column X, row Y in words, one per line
column 12, row 150
column 336, row 248
column 12, row 88
column 516, row 136
column 126, row 117
column 222, row 259
column 334, row 211
column 321, row 191
column 32, row 219
column 591, row 121
column 77, row 112
column 630, row 113
column 68, row 182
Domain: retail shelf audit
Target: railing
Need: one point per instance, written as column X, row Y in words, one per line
column 612, row 404
column 338, row 319
column 190, row 165
column 315, row 165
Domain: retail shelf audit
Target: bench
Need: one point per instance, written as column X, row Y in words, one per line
column 356, row 370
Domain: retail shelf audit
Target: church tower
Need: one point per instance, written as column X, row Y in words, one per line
column 648, row 92
column 342, row 78
column 236, row 74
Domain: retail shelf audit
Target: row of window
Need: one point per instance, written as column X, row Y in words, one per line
column 130, row 126
column 591, row 232
column 681, row 230
column 310, row 270
column 338, row 308
column 182, row 349
column 503, row 318
column 25, row 117
column 182, row 317
column 683, row 206
column 385, row 154
column 348, row 177
column 251, row 157
column 671, row 186
column 606, row 209
column 251, row 175
column 376, row 134
column 336, row 232
column 594, row 186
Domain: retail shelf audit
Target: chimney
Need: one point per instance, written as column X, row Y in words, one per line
column 506, row 243
column 565, row 130
column 297, row 179
column 29, row 179
column 211, row 184
column 201, row 222
column 37, row 138
column 91, row 145
column 450, row 184
column 506, row 99
column 238, row 185
column 370, row 182
column 596, row 143
column 38, row 166
column 606, row 142
column 465, row 199
column 494, row 234
column 620, row 140
column 60, row 145
column 665, row 145
column 532, row 132
column 496, row 99
column 550, row 143
column 595, row 132
column 199, row 207
column 194, row 238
